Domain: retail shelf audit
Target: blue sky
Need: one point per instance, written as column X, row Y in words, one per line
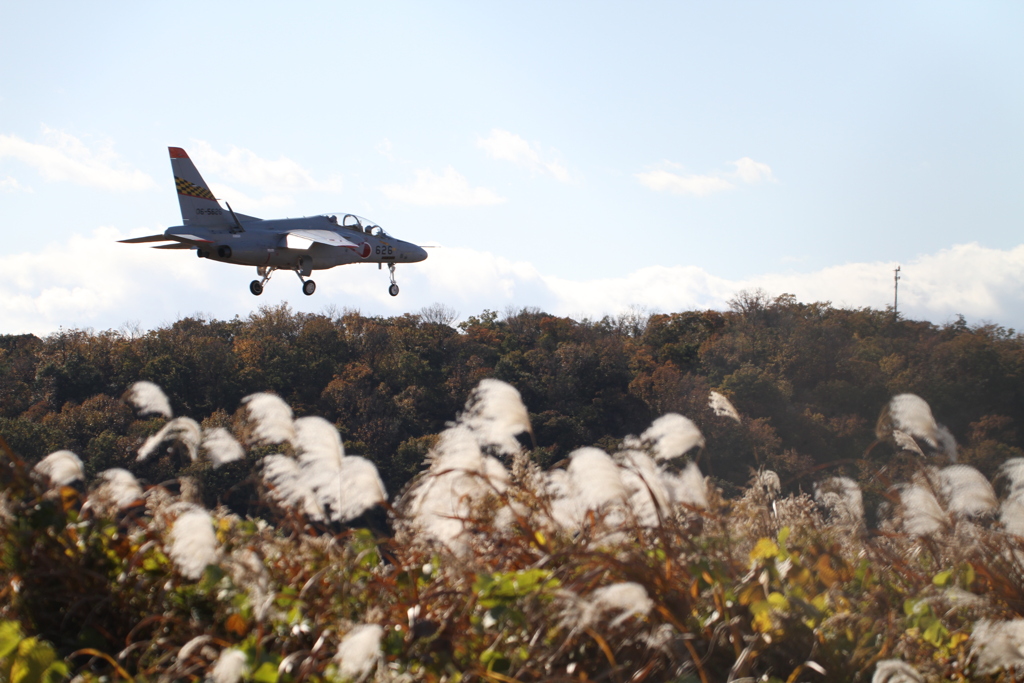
column 584, row 158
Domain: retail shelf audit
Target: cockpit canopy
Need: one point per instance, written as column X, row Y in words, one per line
column 350, row 220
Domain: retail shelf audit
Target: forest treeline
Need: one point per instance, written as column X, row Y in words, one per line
column 808, row 379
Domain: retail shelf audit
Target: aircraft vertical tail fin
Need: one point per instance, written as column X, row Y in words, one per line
column 198, row 205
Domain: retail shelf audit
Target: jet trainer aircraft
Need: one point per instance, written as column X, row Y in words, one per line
column 298, row 244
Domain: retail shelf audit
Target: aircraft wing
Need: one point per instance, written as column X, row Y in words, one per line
column 302, row 239
column 188, row 240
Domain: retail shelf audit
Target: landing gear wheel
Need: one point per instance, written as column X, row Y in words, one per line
column 393, row 289
column 256, row 287
column 308, row 287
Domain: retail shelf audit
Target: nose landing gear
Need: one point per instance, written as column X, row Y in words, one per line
column 393, row 289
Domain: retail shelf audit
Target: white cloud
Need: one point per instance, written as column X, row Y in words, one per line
column 449, row 189
column 63, row 157
column 750, row 171
column 697, row 185
column 981, row 283
column 747, row 171
column 385, row 148
column 508, row 146
column 246, row 167
column 11, row 184
column 240, row 201
column 91, row 281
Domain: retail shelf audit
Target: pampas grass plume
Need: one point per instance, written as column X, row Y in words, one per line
column 895, row 671
column 118, row 487
column 967, row 491
column 595, row 478
column 723, row 407
column 273, row 418
column 842, row 497
column 185, row 430
column 359, row 651
column 922, row 514
column 231, row 667
column 910, row 414
column 495, row 414
column 361, row 487
column 60, row 468
column 998, row 645
column 627, row 598
column 193, row 544
column 149, row 399
column 287, row 486
column 688, row 487
column 671, row 436
column 222, row 447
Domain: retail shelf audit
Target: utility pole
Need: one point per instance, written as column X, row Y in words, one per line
column 896, row 294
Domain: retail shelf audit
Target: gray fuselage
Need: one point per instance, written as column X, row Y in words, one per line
column 268, row 243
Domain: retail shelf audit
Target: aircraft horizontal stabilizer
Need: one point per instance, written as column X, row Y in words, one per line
column 148, row 238
column 301, row 239
column 185, row 239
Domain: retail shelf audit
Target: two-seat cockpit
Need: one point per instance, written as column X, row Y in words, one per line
column 357, row 223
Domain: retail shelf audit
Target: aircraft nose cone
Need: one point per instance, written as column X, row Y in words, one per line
column 419, row 254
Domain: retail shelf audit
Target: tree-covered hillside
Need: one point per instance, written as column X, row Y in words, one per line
column 808, row 379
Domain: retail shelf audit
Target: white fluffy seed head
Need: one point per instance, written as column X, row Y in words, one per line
column 998, row 645
column 967, row 491
column 895, row 671
column 495, row 414
column 272, row 417
column 626, row 598
column 648, row 495
column 459, row 475
column 149, row 399
column 60, row 468
column 922, row 514
column 595, row 478
column 911, row 414
column 359, row 652
column 688, row 487
column 118, row 487
column 1011, row 514
column 722, row 407
column 193, row 544
column 842, row 497
column 361, row 487
column 231, row 667
column 184, row 430
column 288, row 488
column 222, row 447
column 672, row 435
column 1013, row 471
column 345, row 487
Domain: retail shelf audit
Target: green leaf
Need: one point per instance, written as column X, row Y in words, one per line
column 32, row 661
column 942, row 578
column 936, row 633
column 10, row 636
column 267, row 673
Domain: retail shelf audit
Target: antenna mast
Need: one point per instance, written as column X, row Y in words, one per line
column 896, row 294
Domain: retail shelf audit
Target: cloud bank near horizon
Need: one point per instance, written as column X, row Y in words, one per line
column 93, row 282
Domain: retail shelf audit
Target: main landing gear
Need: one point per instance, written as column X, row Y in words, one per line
column 256, row 286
